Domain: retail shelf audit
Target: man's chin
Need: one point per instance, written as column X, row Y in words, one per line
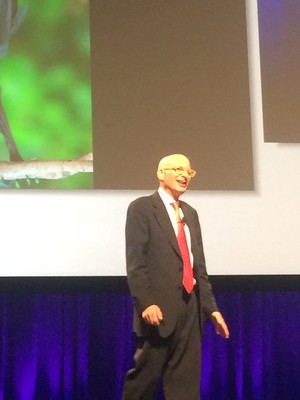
column 181, row 189
column 182, row 186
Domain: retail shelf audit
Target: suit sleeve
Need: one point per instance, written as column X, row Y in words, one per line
column 208, row 301
column 137, row 239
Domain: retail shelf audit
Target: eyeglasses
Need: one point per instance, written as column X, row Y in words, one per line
column 180, row 171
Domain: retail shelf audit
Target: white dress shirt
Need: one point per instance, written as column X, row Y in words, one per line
column 168, row 200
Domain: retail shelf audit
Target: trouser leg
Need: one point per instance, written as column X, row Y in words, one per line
column 182, row 374
column 176, row 359
column 142, row 381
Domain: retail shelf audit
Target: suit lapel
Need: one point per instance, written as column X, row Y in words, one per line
column 187, row 215
column 162, row 217
column 189, row 219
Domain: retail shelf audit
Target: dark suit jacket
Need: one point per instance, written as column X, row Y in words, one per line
column 154, row 263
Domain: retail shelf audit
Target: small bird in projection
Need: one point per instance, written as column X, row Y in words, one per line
column 14, row 154
column 10, row 21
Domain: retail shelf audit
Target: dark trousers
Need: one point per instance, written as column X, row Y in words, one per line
column 175, row 359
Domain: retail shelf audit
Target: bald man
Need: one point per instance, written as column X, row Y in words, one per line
column 170, row 288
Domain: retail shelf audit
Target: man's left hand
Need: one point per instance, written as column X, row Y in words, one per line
column 219, row 324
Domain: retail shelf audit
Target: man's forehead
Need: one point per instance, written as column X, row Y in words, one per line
column 176, row 160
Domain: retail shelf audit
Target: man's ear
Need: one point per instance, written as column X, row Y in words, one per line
column 160, row 174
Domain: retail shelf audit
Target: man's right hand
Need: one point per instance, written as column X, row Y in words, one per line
column 152, row 315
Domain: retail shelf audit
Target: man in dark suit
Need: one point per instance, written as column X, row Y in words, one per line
column 168, row 312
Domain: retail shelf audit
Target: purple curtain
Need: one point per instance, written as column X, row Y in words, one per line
column 78, row 344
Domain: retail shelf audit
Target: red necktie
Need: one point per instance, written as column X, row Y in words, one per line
column 188, row 280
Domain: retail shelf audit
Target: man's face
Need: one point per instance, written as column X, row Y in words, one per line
column 174, row 178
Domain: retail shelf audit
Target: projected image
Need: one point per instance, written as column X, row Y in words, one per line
column 45, row 95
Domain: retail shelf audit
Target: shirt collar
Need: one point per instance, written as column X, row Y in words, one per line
column 166, row 198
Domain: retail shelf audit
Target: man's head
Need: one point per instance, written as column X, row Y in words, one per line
column 174, row 173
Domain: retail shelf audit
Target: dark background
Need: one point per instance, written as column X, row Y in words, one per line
column 170, row 77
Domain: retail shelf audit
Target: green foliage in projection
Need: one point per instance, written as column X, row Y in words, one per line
column 46, row 90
